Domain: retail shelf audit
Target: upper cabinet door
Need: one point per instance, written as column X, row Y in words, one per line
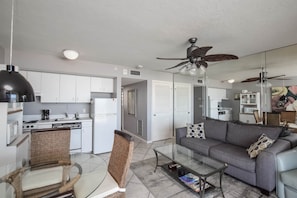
column 67, row 88
column 104, row 85
column 83, row 89
column 50, row 90
column 35, row 80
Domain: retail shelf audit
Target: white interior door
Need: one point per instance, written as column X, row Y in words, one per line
column 162, row 110
column 182, row 104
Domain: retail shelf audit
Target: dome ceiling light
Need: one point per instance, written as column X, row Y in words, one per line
column 70, row 54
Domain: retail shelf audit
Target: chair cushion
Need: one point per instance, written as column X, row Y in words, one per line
column 107, row 187
column 42, row 177
column 289, row 178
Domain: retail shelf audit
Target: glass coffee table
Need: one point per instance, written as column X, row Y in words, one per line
column 189, row 168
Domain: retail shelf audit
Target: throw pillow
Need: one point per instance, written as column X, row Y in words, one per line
column 262, row 143
column 196, row 130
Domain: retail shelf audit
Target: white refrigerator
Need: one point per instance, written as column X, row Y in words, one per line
column 104, row 115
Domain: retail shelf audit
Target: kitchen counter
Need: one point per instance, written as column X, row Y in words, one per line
column 63, row 120
column 41, row 124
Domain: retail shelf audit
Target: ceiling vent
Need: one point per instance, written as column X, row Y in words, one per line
column 134, row 73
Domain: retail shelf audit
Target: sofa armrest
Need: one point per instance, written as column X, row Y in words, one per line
column 179, row 133
column 266, row 164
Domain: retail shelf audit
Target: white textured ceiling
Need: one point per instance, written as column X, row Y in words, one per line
column 135, row 32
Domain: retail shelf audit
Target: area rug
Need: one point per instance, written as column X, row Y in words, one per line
column 162, row 185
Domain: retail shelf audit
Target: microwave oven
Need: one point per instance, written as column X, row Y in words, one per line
column 12, row 131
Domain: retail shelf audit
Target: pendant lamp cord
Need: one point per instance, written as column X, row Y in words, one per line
column 11, row 33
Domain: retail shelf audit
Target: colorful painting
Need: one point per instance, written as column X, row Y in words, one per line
column 284, row 98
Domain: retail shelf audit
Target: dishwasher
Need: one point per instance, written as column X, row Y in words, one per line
column 75, row 135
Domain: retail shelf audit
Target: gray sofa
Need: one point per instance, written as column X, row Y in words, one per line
column 228, row 141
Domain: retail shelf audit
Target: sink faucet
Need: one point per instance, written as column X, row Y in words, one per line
column 66, row 114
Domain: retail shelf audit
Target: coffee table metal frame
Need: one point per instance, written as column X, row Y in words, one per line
column 200, row 165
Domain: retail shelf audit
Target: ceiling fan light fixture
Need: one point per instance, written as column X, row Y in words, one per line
column 202, row 69
column 193, row 70
column 183, row 70
column 70, row 54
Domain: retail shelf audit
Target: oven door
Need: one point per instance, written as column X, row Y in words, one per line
column 75, row 140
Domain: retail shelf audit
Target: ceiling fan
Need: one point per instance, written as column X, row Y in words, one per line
column 197, row 58
column 263, row 76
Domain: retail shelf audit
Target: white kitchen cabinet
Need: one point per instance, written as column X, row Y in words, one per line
column 50, row 88
column 83, row 89
column 247, row 118
column 67, row 88
column 18, row 150
column 34, row 79
column 248, row 103
column 104, row 85
column 87, row 136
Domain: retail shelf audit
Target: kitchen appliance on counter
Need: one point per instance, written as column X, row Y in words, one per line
column 104, row 115
column 45, row 113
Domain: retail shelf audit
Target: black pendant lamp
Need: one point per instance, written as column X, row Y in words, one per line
column 13, row 86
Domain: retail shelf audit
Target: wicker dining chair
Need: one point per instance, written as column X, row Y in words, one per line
column 258, row 119
column 119, row 162
column 49, row 164
column 288, row 116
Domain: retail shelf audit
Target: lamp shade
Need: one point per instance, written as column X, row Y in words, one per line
column 14, row 87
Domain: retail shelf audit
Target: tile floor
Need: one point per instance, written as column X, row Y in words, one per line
column 142, row 150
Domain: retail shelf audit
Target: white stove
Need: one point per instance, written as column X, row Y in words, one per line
column 28, row 126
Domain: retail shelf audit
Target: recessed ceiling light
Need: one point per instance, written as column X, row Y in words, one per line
column 70, row 54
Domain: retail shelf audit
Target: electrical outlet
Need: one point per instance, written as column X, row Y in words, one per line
column 84, row 110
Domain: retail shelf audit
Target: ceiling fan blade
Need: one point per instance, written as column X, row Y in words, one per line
column 200, row 51
column 219, row 57
column 180, row 64
column 276, row 76
column 251, row 79
column 172, row 58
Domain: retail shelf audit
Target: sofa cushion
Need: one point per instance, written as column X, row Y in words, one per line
column 199, row 145
column 215, row 129
column 195, row 130
column 261, row 144
column 235, row 155
column 244, row 134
